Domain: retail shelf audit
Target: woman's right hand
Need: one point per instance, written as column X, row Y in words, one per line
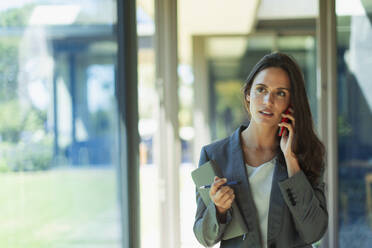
column 222, row 196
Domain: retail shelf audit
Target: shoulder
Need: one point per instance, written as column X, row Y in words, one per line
column 217, row 145
column 214, row 151
column 223, row 146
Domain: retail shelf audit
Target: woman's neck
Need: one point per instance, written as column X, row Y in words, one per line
column 260, row 137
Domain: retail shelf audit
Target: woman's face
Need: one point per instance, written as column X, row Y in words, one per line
column 269, row 96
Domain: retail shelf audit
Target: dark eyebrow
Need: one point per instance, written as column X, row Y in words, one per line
column 283, row 89
column 280, row 88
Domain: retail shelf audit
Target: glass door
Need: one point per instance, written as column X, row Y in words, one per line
column 58, row 124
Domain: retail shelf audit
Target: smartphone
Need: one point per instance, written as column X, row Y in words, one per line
column 284, row 119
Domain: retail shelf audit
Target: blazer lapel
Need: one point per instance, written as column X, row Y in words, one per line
column 277, row 203
column 244, row 196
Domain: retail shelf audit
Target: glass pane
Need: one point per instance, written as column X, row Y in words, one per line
column 148, row 119
column 227, row 73
column 303, row 49
column 354, row 48
column 58, row 124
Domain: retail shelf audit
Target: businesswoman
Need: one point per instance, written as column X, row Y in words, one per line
column 281, row 191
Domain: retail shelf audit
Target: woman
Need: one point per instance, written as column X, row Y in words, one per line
column 281, row 191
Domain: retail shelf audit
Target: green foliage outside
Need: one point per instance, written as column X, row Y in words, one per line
column 25, row 145
column 16, row 17
column 34, row 156
column 230, row 107
column 31, row 152
column 344, row 127
column 8, row 68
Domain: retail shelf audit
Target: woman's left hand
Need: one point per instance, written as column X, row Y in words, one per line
column 287, row 137
column 286, row 144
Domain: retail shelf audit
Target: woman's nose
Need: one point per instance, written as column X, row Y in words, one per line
column 269, row 98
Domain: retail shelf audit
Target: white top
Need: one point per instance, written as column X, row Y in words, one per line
column 260, row 179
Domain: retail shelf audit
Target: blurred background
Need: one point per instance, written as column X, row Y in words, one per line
column 60, row 126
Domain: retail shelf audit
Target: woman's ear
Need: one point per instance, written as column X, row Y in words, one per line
column 248, row 98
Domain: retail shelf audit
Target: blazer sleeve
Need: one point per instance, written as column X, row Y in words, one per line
column 307, row 204
column 207, row 227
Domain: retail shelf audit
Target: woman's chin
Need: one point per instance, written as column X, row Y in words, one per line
column 267, row 121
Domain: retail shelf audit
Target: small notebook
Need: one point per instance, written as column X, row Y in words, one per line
column 205, row 175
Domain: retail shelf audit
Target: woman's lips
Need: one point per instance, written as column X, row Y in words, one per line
column 266, row 113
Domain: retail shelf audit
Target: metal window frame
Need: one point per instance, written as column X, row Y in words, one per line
column 167, row 144
column 127, row 98
column 327, row 105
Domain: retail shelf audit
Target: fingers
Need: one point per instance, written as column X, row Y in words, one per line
column 229, row 200
column 226, row 204
column 218, row 182
column 224, row 197
column 288, row 126
column 223, row 194
column 289, row 116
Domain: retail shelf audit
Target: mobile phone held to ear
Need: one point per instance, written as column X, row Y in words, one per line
column 284, row 119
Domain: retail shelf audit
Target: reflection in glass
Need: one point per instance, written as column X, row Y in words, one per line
column 58, row 124
column 147, row 126
column 354, row 35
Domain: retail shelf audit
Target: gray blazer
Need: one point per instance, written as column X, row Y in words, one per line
column 298, row 213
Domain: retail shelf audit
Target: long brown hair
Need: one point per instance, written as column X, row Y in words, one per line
column 306, row 145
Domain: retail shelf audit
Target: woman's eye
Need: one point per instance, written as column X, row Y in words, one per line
column 260, row 89
column 281, row 93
